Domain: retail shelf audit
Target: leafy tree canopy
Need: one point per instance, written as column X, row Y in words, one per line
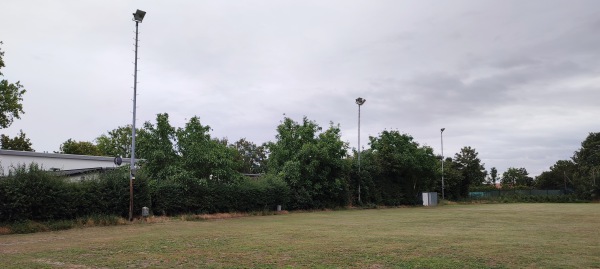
column 251, row 158
column 184, row 153
column 558, row 177
column 203, row 156
column 117, row 142
column 11, row 98
column 493, row 175
column 514, row 177
column 403, row 168
column 79, row 148
column 311, row 163
column 472, row 170
column 19, row 142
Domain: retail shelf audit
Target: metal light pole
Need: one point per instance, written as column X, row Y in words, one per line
column 359, row 101
column 442, row 139
column 138, row 16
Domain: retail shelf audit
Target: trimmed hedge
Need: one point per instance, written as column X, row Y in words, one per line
column 200, row 196
column 30, row 193
column 33, row 194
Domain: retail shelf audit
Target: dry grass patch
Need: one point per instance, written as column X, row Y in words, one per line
column 220, row 216
column 5, row 230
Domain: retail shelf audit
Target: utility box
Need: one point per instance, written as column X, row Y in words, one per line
column 430, row 198
column 145, row 212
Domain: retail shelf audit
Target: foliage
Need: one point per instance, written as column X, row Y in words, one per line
column 19, row 142
column 201, row 196
column 80, row 148
column 586, row 182
column 493, row 176
column 311, row 163
column 11, row 98
column 454, row 181
column 156, row 144
column 514, row 177
column 581, row 175
column 524, row 198
column 182, row 153
column 250, row 157
column 556, row 178
column 117, row 142
column 400, row 168
column 471, row 169
column 204, row 157
column 29, row 193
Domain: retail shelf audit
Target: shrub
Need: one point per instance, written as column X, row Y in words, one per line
column 29, row 193
column 198, row 196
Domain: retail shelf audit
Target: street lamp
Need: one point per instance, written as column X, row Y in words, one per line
column 138, row 16
column 442, row 139
column 359, row 101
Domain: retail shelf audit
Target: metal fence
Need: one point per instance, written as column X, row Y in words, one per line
column 498, row 193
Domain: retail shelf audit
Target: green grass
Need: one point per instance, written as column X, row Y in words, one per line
column 452, row 236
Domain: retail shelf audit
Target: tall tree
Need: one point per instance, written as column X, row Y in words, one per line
column 589, row 153
column 251, row 158
column 79, row 148
column 117, row 142
column 587, row 159
column 559, row 177
column 204, row 156
column 11, row 98
column 493, row 176
column 453, row 180
column 472, row 170
column 312, row 164
column 514, row 177
column 19, row 142
column 157, row 145
column 403, row 168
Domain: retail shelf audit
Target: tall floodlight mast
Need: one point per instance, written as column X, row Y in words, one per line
column 138, row 16
column 359, row 101
column 442, row 140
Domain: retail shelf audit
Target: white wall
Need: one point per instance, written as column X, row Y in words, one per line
column 11, row 158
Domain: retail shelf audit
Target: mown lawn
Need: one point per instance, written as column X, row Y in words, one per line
column 452, row 236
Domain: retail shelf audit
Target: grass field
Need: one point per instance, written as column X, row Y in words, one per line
column 452, row 236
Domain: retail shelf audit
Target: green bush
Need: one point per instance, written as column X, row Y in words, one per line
column 30, row 193
column 25, row 227
column 197, row 196
column 520, row 198
column 60, row 225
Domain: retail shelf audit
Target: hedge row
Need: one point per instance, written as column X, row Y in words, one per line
column 199, row 196
column 29, row 193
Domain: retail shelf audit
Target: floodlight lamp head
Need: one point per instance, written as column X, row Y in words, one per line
column 138, row 16
column 442, row 130
column 360, row 101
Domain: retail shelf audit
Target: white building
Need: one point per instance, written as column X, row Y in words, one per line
column 74, row 166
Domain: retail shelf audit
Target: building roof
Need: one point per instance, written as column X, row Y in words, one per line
column 74, row 172
column 57, row 155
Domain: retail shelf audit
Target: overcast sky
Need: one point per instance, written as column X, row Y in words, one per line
column 519, row 81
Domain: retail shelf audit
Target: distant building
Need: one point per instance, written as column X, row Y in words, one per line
column 75, row 167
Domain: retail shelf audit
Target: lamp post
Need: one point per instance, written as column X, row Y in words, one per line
column 138, row 16
column 359, row 101
column 442, row 139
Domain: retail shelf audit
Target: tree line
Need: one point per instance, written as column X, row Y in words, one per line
column 318, row 168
